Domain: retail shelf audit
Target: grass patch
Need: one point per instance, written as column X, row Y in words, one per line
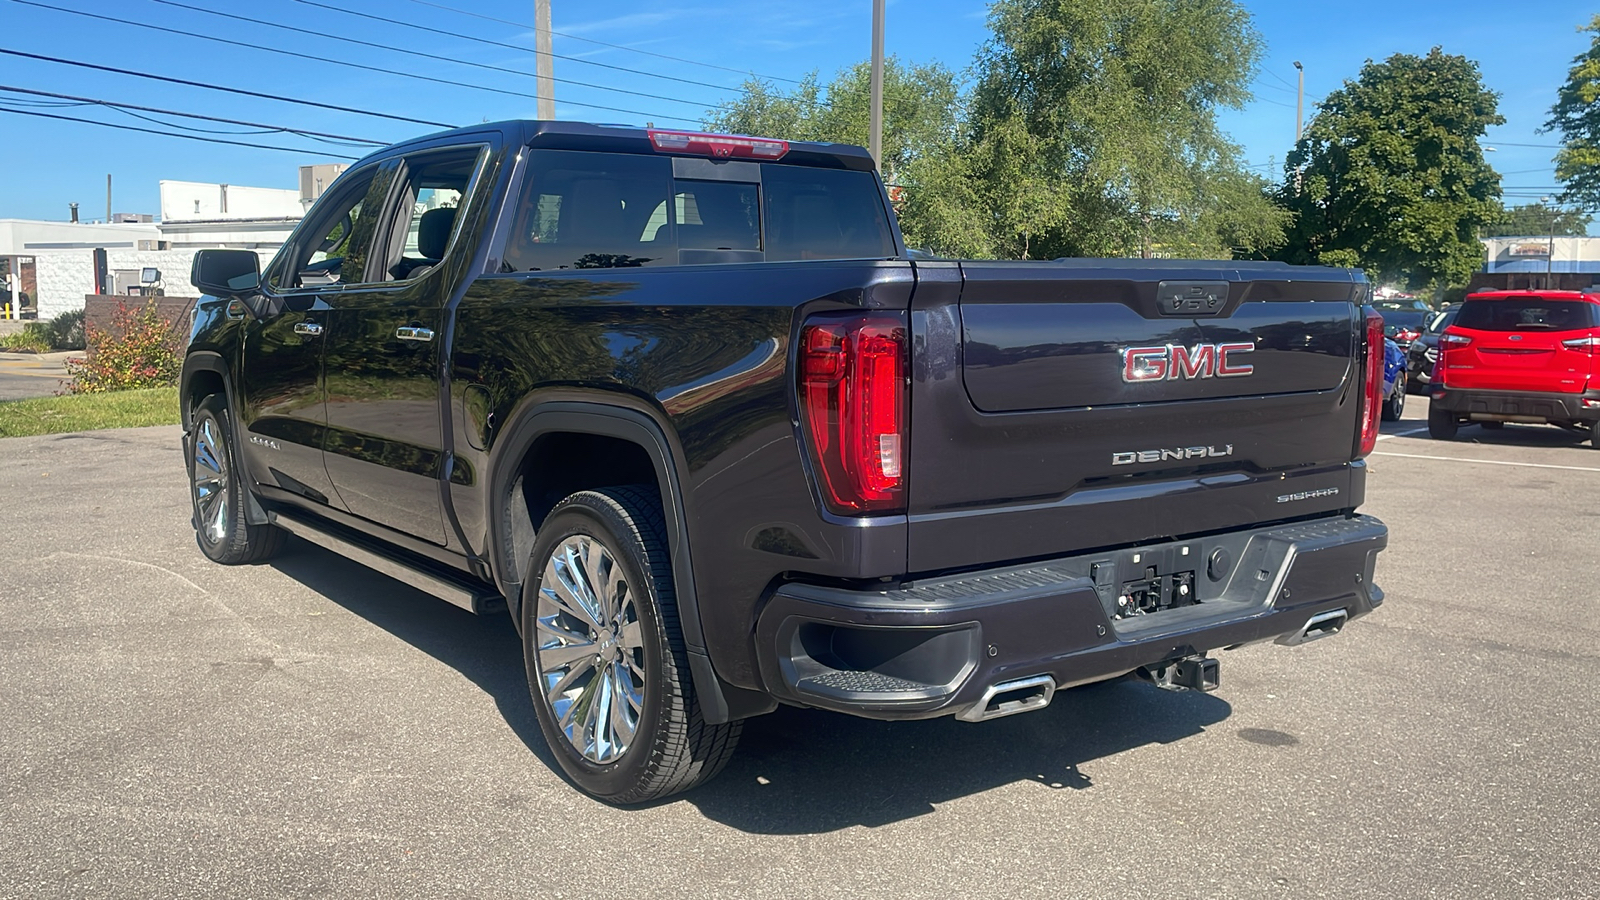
column 89, row 412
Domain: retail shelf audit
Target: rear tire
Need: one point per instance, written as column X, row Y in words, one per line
column 1594, row 434
column 606, row 660
column 217, row 492
column 1442, row 425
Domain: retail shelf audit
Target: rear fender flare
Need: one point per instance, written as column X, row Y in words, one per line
column 606, row 420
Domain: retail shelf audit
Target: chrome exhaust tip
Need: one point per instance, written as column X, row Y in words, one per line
column 1011, row 697
column 1321, row 625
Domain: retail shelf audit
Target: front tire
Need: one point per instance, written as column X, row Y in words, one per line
column 217, row 492
column 1442, row 424
column 606, row 660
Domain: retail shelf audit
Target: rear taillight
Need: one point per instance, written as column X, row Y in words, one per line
column 718, row 146
column 1589, row 345
column 1372, row 388
column 852, row 387
column 1447, row 341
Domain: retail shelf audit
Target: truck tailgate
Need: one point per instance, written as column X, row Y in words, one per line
column 1063, row 406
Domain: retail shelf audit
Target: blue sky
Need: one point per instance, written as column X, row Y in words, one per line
column 1524, row 51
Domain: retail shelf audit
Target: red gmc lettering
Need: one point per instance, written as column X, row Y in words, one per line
column 1197, row 363
column 1144, row 363
column 1226, row 369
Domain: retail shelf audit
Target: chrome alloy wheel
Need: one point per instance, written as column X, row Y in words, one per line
column 210, row 482
column 590, row 649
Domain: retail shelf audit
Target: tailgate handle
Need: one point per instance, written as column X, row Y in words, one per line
column 1191, row 299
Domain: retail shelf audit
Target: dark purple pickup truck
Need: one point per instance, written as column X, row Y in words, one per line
column 685, row 407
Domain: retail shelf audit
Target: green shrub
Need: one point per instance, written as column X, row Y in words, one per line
column 67, row 331
column 139, row 350
column 33, row 338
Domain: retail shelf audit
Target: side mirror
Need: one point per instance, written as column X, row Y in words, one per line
column 226, row 273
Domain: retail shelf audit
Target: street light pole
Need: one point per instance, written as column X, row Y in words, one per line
column 875, row 138
column 1300, row 103
column 544, row 66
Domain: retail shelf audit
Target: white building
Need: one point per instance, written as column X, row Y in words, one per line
column 54, row 262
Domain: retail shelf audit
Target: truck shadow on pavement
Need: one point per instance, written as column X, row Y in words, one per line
column 802, row 771
column 484, row 649
column 798, row 771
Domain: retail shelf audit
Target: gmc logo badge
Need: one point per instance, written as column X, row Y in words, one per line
column 1171, row 362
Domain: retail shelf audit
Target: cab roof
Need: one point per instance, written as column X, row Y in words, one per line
column 631, row 139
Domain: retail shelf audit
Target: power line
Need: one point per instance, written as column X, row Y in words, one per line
column 283, row 129
column 339, row 62
column 519, row 49
column 574, row 37
column 1272, row 87
column 1511, row 144
column 446, row 59
column 217, row 87
column 1281, row 78
column 187, row 137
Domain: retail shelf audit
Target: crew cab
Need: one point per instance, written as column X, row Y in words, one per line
column 1519, row 356
column 684, row 407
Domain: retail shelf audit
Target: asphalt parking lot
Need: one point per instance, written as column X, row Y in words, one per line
column 310, row 728
column 25, row 375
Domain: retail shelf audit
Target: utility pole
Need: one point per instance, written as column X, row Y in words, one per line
column 1299, row 117
column 108, row 198
column 546, row 68
column 1550, row 253
column 876, row 138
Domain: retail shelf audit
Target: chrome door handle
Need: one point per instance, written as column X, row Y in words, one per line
column 413, row 333
column 309, row 329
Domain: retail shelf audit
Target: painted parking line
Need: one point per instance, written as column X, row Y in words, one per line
column 1492, row 462
column 1384, row 437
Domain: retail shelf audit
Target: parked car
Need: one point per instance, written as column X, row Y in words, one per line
column 1422, row 353
column 684, row 406
column 1403, row 324
column 1394, row 381
column 1519, row 356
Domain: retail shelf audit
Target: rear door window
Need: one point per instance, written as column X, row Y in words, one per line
column 582, row 210
column 1531, row 314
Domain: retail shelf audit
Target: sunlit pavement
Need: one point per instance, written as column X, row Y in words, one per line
column 309, row 728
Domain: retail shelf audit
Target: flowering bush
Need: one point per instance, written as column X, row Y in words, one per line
column 139, row 350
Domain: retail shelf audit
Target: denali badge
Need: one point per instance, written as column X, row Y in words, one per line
column 1171, row 362
column 1308, row 495
column 1129, row 457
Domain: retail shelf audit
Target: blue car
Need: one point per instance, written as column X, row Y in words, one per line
column 1394, row 381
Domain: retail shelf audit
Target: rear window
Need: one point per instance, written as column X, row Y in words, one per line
column 1531, row 314
column 582, row 210
column 824, row 214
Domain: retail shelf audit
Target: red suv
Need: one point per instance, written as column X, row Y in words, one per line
column 1519, row 356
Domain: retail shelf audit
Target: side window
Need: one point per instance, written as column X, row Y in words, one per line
column 332, row 245
column 582, row 210
column 824, row 214
column 426, row 219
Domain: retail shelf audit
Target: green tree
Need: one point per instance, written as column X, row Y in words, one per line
column 1094, row 130
column 1537, row 218
column 1390, row 174
column 1577, row 116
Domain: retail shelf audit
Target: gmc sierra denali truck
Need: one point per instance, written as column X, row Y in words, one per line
column 683, row 405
